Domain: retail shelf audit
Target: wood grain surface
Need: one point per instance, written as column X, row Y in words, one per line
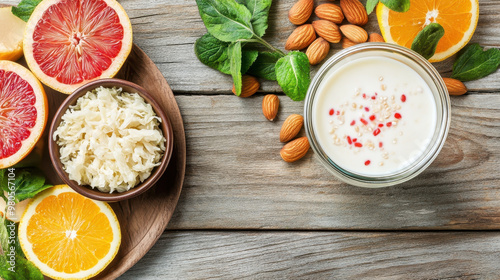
column 244, row 213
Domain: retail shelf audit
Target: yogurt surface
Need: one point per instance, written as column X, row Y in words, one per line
column 374, row 116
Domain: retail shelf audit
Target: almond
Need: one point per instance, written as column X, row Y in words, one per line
column 317, row 51
column 270, row 105
column 301, row 37
column 455, row 87
column 354, row 11
column 291, row 127
column 301, row 11
column 375, row 37
column 295, row 150
column 328, row 30
column 249, row 86
column 330, row 12
column 354, row 33
column 346, row 43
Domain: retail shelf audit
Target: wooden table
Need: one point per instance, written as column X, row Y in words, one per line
column 245, row 213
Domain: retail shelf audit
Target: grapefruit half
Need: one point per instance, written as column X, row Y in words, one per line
column 23, row 112
column 68, row 43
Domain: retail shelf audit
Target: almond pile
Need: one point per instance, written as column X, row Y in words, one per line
column 327, row 27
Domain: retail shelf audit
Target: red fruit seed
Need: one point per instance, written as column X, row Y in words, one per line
column 380, row 125
column 355, row 139
column 389, row 124
column 364, row 95
column 380, row 144
column 332, row 112
column 397, row 116
column 367, row 109
column 372, row 117
column 349, row 140
column 367, row 162
column 358, row 145
column 403, row 98
column 376, row 132
column 353, row 123
column 364, row 121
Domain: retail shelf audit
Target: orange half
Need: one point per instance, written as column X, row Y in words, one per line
column 458, row 18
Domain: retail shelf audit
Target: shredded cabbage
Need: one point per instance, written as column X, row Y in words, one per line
column 110, row 140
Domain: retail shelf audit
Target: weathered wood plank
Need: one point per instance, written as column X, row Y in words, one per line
column 166, row 31
column 235, row 178
column 320, row 255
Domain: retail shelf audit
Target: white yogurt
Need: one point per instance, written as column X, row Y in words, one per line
column 374, row 116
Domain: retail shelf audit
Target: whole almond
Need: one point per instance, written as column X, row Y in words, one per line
column 295, row 150
column 455, row 87
column 354, row 11
column 270, row 105
column 330, row 12
column 317, row 51
column 354, row 33
column 301, row 37
column 291, row 127
column 301, row 11
column 328, row 30
column 249, row 86
column 346, row 43
column 375, row 37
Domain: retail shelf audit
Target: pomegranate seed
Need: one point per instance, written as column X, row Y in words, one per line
column 374, row 97
column 380, row 125
column 364, row 95
column 355, row 139
column 349, row 140
column 376, row 93
column 403, row 98
column 376, row 132
column 397, row 116
column 372, row 117
column 338, row 113
column 332, row 112
column 389, row 124
column 358, row 145
column 367, row 162
column 367, row 109
column 364, row 121
column 353, row 123
column 380, row 144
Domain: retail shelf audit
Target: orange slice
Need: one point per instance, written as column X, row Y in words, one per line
column 11, row 35
column 69, row 236
column 458, row 18
column 71, row 42
column 23, row 112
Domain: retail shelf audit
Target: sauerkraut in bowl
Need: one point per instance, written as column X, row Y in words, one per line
column 110, row 140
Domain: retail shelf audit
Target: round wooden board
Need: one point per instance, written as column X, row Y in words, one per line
column 144, row 218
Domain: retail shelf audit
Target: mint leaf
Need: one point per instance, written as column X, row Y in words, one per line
column 370, row 5
column 260, row 13
column 292, row 73
column 213, row 53
column 401, row 6
column 23, row 269
column 226, row 20
column 25, row 8
column 248, row 58
column 265, row 65
column 427, row 40
column 474, row 63
column 235, row 65
column 28, row 182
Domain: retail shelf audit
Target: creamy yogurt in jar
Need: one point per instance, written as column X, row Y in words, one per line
column 379, row 118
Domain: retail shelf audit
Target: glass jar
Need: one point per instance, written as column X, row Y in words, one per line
column 431, row 77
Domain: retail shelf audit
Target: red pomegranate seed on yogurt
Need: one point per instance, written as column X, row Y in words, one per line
column 397, row 116
column 364, row 95
column 374, row 97
column 380, row 144
column 332, row 112
column 367, row 109
column 353, row 123
column 358, row 145
column 372, row 117
column 380, row 125
column 349, row 140
column 364, row 121
column 338, row 113
column 355, row 140
column 403, row 98
column 376, row 132
column 389, row 124
column 367, row 162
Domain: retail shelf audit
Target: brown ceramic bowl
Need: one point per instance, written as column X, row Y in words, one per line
column 95, row 193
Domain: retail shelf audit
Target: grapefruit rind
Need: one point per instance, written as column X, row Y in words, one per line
column 27, row 247
column 11, row 47
column 383, row 21
column 41, row 107
column 52, row 82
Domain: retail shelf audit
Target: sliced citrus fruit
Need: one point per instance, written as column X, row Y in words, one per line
column 71, row 42
column 11, row 35
column 23, row 112
column 69, row 236
column 458, row 18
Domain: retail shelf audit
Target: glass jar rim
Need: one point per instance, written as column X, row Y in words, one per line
column 432, row 149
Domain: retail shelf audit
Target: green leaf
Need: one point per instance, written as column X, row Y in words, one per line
column 265, row 65
column 213, row 53
column 248, row 58
column 23, row 269
column 401, row 6
column 260, row 13
column 235, row 58
column 473, row 63
column 427, row 40
column 28, row 182
column 370, row 5
column 25, row 8
column 226, row 20
column 292, row 73
column 4, row 235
